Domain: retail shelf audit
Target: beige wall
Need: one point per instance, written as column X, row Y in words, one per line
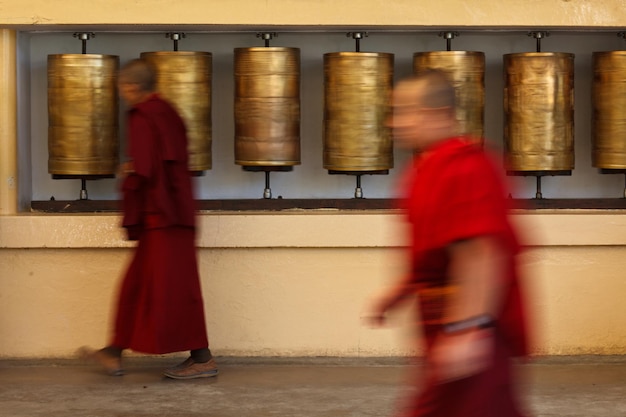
column 291, row 283
column 508, row 13
column 297, row 284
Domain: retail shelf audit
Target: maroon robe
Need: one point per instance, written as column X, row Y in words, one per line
column 160, row 307
column 454, row 193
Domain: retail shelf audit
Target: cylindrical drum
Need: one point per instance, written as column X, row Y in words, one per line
column 539, row 111
column 608, row 124
column 357, row 91
column 82, row 115
column 466, row 70
column 184, row 79
column 267, row 106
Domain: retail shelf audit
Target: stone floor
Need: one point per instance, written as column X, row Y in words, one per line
column 263, row 387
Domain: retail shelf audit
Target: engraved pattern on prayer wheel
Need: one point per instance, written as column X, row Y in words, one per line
column 82, row 114
column 466, row 70
column 267, row 106
column 539, row 111
column 184, row 79
column 357, row 91
column 608, row 124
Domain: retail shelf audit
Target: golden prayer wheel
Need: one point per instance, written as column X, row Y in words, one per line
column 608, row 131
column 82, row 115
column 357, row 91
column 539, row 111
column 184, row 79
column 267, row 107
column 466, row 70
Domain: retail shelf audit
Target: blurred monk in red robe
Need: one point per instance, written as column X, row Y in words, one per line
column 160, row 307
column 462, row 261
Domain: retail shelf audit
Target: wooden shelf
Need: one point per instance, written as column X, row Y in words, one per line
column 279, row 204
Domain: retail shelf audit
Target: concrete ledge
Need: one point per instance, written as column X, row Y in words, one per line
column 311, row 229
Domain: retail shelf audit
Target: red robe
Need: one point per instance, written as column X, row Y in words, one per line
column 455, row 192
column 160, row 307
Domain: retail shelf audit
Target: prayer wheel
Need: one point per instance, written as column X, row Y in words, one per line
column 357, row 91
column 539, row 111
column 267, row 107
column 82, row 115
column 184, row 79
column 608, row 124
column 466, row 70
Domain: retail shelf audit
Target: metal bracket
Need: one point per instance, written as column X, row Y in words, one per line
column 539, row 35
column 267, row 37
column 175, row 37
column 84, row 37
column 448, row 36
column 357, row 36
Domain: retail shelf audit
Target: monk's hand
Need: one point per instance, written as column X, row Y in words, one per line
column 376, row 316
column 125, row 168
column 458, row 356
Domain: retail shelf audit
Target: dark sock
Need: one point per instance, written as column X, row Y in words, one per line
column 113, row 351
column 201, row 355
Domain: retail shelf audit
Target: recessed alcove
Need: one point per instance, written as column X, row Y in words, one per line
column 309, row 186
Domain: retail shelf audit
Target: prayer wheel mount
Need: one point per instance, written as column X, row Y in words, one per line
column 267, row 37
column 448, row 36
column 538, row 175
column 357, row 36
column 358, row 191
column 267, row 191
column 175, row 37
column 539, row 35
column 84, row 37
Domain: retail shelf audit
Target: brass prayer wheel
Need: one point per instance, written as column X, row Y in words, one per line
column 82, row 115
column 608, row 124
column 466, row 70
column 357, row 91
column 539, row 111
column 184, row 79
column 267, row 106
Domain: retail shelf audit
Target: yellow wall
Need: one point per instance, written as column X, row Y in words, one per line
column 291, row 283
column 508, row 13
column 296, row 284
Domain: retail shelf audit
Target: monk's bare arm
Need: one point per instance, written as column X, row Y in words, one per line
column 476, row 270
column 390, row 299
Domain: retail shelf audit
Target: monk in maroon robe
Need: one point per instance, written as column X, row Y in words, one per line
column 463, row 260
column 160, row 308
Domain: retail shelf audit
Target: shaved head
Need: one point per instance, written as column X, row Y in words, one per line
column 423, row 110
column 433, row 89
column 141, row 73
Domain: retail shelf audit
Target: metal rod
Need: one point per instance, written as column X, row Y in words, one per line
column 267, row 192
column 357, row 36
column 538, row 35
column 175, row 37
column 83, row 189
column 358, row 192
column 448, row 37
column 538, row 195
column 84, row 37
column 267, row 37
